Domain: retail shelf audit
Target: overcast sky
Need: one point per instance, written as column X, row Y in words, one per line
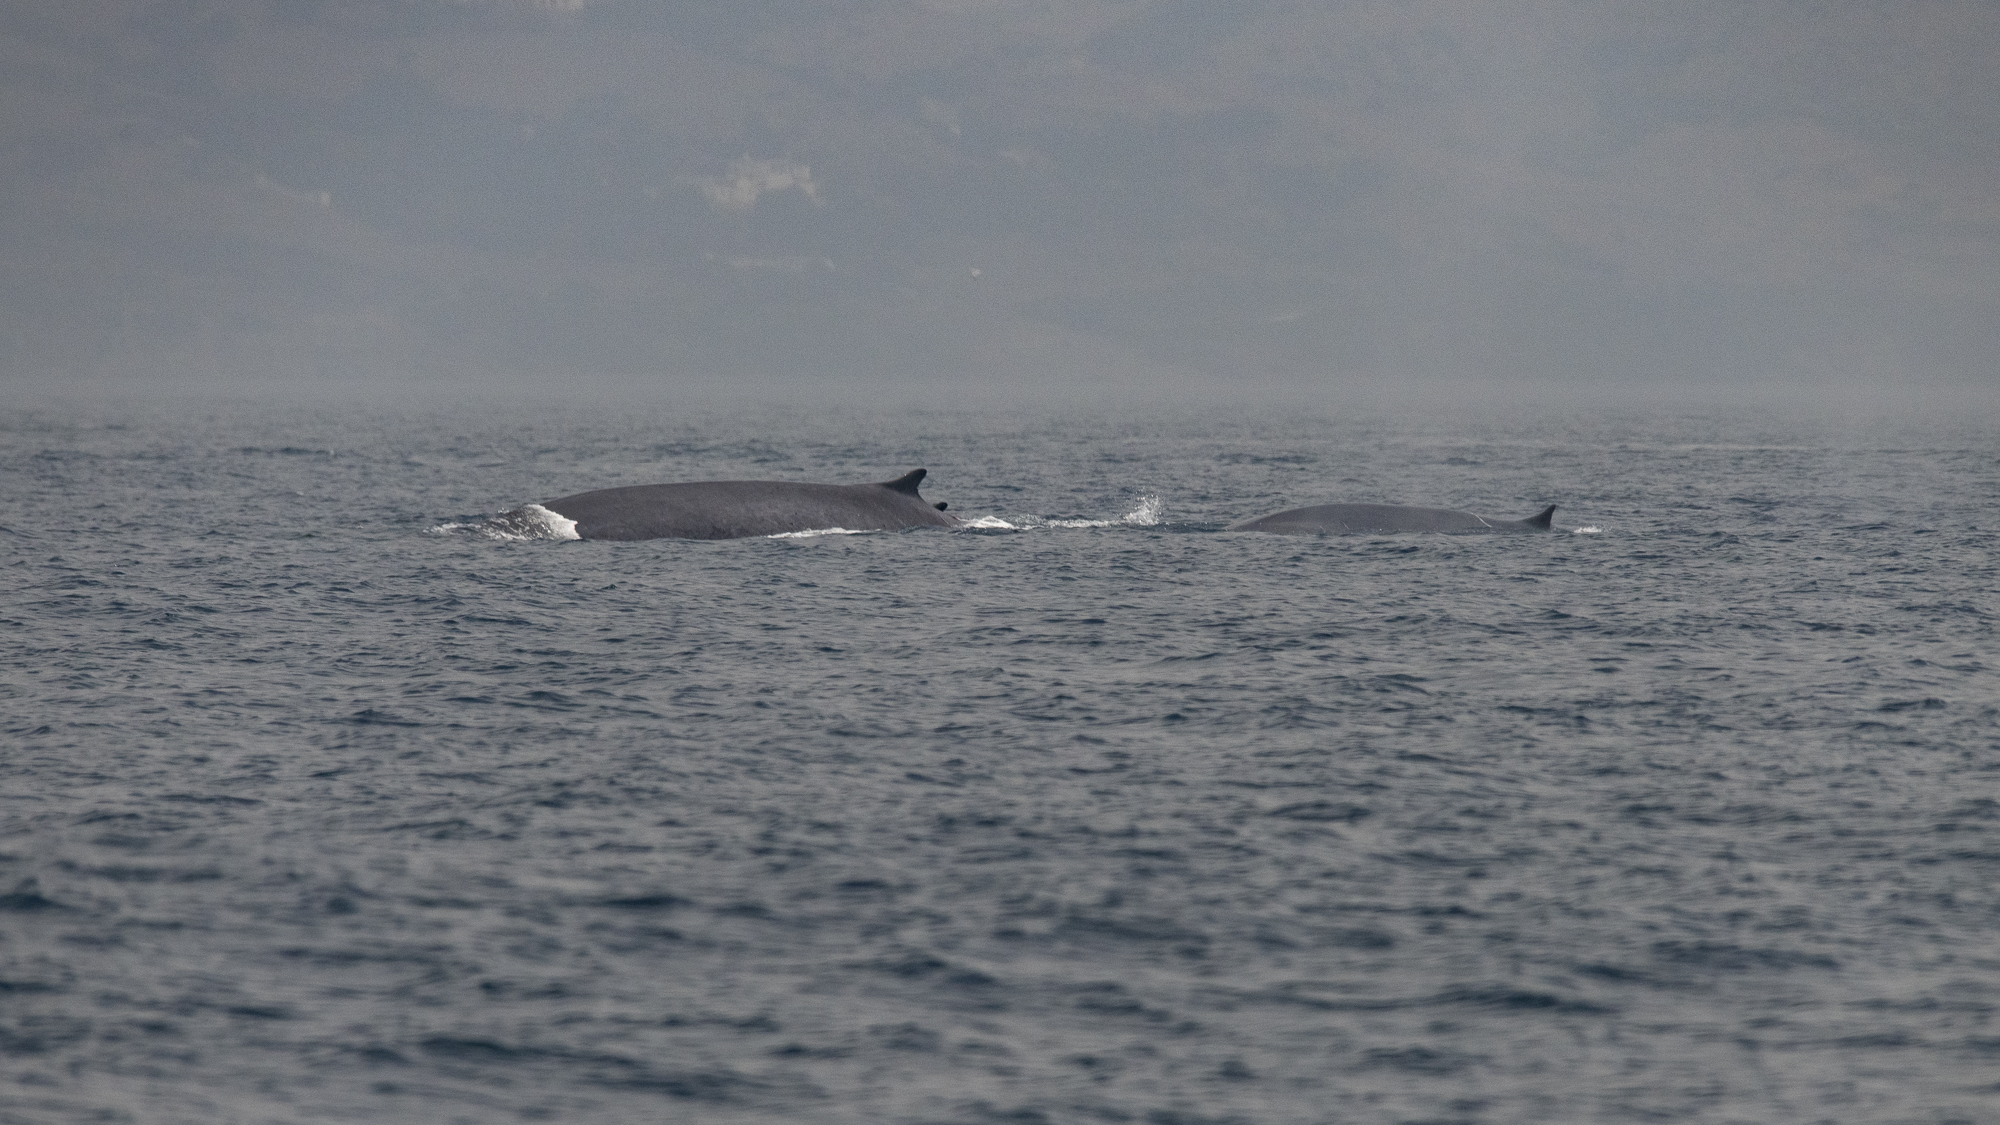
column 948, row 192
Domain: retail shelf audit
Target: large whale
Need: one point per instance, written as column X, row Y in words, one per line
column 739, row 509
column 1344, row 519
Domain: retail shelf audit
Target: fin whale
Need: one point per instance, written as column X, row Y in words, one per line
column 1346, row 519
column 740, row 509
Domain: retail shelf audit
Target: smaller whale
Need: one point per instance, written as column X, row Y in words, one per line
column 1363, row 519
column 740, row 509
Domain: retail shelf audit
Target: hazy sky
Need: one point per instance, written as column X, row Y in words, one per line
column 964, row 191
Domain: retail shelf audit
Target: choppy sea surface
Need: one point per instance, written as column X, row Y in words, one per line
column 319, row 802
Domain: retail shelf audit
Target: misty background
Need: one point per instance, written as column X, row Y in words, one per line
column 980, row 193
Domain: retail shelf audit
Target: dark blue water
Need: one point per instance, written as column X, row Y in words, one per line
column 318, row 804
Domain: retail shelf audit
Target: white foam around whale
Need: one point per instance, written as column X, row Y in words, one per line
column 527, row 523
column 814, row 533
column 1146, row 514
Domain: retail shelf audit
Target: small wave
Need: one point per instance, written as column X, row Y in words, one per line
column 1588, row 531
column 529, row 522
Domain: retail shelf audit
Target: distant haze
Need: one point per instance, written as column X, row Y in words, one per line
column 970, row 193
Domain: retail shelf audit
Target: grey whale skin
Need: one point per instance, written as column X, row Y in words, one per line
column 740, row 509
column 1350, row 519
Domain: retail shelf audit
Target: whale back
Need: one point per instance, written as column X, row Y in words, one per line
column 740, row 509
column 1375, row 519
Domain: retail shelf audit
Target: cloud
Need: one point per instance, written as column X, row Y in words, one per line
column 793, row 264
column 554, row 7
column 749, row 179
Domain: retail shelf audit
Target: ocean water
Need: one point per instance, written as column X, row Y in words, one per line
column 320, row 802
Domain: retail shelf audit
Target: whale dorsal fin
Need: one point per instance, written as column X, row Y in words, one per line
column 1542, row 521
column 907, row 483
